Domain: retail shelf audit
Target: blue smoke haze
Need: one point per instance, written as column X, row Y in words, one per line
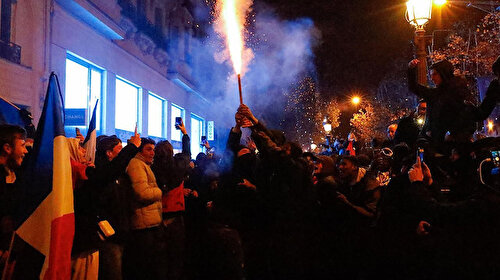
column 283, row 55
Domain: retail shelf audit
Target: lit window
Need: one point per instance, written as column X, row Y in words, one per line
column 175, row 112
column 83, row 88
column 156, row 117
column 196, row 133
column 127, row 104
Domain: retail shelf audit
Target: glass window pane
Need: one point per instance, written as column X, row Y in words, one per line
column 176, row 112
column 126, row 103
column 196, row 133
column 76, row 90
column 155, row 116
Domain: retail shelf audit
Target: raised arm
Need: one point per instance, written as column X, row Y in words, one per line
column 413, row 85
column 186, row 142
column 489, row 102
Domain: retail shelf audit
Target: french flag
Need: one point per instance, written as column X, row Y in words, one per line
column 41, row 246
column 90, row 140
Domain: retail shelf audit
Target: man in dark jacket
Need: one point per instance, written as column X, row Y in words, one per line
column 447, row 111
column 286, row 189
column 409, row 127
column 12, row 152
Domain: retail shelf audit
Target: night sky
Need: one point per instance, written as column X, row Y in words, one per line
column 361, row 39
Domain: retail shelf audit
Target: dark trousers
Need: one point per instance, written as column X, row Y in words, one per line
column 110, row 261
column 145, row 254
column 175, row 237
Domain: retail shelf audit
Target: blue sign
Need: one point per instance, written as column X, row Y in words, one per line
column 74, row 117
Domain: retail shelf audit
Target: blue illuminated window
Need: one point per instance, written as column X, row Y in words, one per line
column 176, row 111
column 83, row 87
column 156, row 116
column 197, row 130
column 128, row 105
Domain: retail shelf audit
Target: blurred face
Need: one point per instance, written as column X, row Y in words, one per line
column 310, row 164
column 148, row 152
column 351, row 137
column 454, row 155
column 347, row 169
column 391, row 131
column 422, row 109
column 287, row 149
column 436, row 77
column 114, row 152
column 15, row 152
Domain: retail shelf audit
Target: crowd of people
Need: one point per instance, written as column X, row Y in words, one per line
column 412, row 206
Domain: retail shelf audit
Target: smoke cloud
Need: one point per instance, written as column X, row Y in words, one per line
column 282, row 56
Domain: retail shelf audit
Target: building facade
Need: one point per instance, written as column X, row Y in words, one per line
column 134, row 56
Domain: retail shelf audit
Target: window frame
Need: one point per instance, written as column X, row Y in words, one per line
column 139, row 103
column 164, row 114
column 90, row 107
column 202, row 133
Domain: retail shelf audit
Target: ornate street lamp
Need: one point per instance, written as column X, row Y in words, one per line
column 418, row 13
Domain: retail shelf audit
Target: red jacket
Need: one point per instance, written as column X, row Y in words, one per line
column 173, row 201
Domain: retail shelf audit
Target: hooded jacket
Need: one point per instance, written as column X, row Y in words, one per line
column 146, row 204
column 446, row 110
column 170, row 172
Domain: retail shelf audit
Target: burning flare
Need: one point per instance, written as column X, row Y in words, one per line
column 231, row 16
column 233, row 29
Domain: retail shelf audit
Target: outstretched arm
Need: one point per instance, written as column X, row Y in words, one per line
column 489, row 102
column 413, row 85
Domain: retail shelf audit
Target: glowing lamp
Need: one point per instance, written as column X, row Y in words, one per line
column 490, row 126
column 313, row 146
column 420, row 121
column 327, row 127
column 355, row 100
column 418, row 12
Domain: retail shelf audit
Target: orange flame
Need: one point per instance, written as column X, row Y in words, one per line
column 230, row 18
column 233, row 29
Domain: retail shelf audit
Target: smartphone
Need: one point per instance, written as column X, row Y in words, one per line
column 420, row 154
column 178, row 122
column 495, row 157
column 203, row 139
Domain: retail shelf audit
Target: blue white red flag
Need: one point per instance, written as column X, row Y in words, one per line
column 42, row 242
column 90, row 140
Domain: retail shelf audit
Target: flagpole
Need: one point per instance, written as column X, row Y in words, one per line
column 11, row 104
column 4, row 272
